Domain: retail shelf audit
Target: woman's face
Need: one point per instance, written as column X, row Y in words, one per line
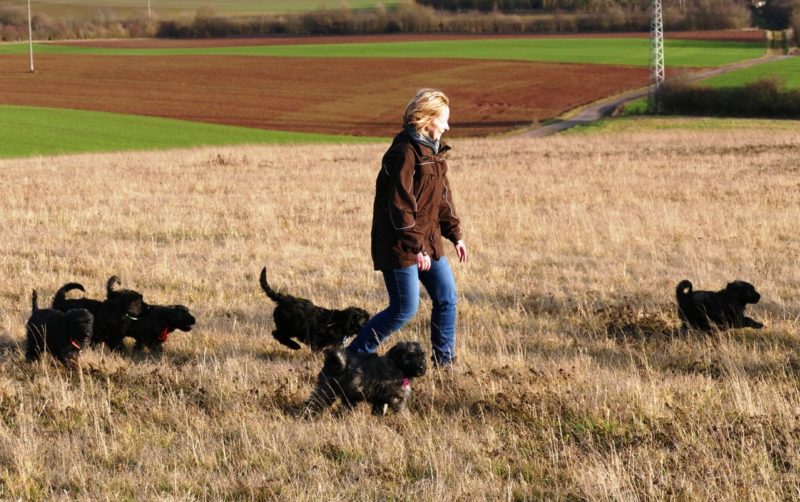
column 439, row 125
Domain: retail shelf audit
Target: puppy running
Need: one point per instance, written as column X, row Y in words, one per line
column 62, row 334
column 725, row 308
column 115, row 315
column 316, row 327
column 383, row 381
column 112, row 316
column 155, row 324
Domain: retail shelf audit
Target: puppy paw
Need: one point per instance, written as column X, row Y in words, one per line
column 380, row 409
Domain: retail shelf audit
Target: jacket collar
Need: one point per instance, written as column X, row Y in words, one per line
column 422, row 150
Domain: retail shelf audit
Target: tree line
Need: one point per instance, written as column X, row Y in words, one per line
column 569, row 16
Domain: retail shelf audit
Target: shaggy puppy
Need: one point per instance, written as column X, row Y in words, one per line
column 725, row 308
column 115, row 315
column 155, row 324
column 63, row 334
column 383, row 381
column 315, row 326
column 60, row 302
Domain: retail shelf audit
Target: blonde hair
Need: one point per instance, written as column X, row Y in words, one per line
column 423, row 107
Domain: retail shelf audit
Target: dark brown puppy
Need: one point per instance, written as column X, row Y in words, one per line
column 115, row 315
column 62, row 334
column 383, row 381
column 299, row 319
column 722, row 309
column 154, row 325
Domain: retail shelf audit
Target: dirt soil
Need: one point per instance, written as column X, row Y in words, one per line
column 720, row 35
column 353, row 96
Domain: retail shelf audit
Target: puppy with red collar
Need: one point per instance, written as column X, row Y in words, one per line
column 153, row 327
column 62, row 334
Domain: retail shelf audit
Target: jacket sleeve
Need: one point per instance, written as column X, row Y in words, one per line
column 448, row 221
column 402, row 201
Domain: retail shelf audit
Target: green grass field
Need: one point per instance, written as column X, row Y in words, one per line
column 642, row 124
column 786, row 71
column 28, row 131
column 172, row 8
column 622, row 51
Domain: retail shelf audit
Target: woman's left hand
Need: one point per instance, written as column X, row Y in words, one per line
column 461, row 250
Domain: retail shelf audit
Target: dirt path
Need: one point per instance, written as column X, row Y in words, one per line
column 605, row 107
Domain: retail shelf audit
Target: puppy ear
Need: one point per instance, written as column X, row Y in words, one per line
column 335, row 362
column 397, row 352
column 735, row 290
column 355, row 319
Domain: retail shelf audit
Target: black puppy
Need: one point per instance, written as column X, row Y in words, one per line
column 383, row 381
column 60, row 301
column 154, row 325
column 63, row 334
column 115, row 315
column 315, row 326
column 725, row 308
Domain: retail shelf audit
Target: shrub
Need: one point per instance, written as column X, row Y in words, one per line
column 763, row 98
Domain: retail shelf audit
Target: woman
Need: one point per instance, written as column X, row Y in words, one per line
column 413, row 210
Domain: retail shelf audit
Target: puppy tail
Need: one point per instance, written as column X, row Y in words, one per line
column 112, row 281
column 683, row 289
column 271, row 293
column 34, row 301
column 61, row 294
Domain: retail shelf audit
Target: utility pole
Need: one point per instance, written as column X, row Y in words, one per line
column 656, row 53
column 30, row 35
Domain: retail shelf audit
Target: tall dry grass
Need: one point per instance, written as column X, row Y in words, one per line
column 573, row 381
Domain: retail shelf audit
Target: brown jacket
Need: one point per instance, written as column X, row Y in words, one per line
column 413, row 205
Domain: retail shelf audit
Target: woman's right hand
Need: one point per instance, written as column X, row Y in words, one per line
column 423, row 261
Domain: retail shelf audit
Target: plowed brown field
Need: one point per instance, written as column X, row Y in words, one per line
column 157, row 43
column 353, row 96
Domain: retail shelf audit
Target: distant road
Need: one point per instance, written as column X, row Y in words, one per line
column 605, row 107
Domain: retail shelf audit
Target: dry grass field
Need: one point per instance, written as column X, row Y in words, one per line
column 573, row 381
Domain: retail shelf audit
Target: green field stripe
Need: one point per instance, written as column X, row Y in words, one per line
column 621, row 51
column 28, row 131
column 786, row 71
column 642, row 124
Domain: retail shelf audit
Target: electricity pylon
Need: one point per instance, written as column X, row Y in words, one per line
column 656, row 54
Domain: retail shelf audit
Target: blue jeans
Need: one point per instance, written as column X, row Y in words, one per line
column 402, row 285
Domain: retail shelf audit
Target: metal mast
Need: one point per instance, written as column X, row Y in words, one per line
column 656, row 51
column 30, row 35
